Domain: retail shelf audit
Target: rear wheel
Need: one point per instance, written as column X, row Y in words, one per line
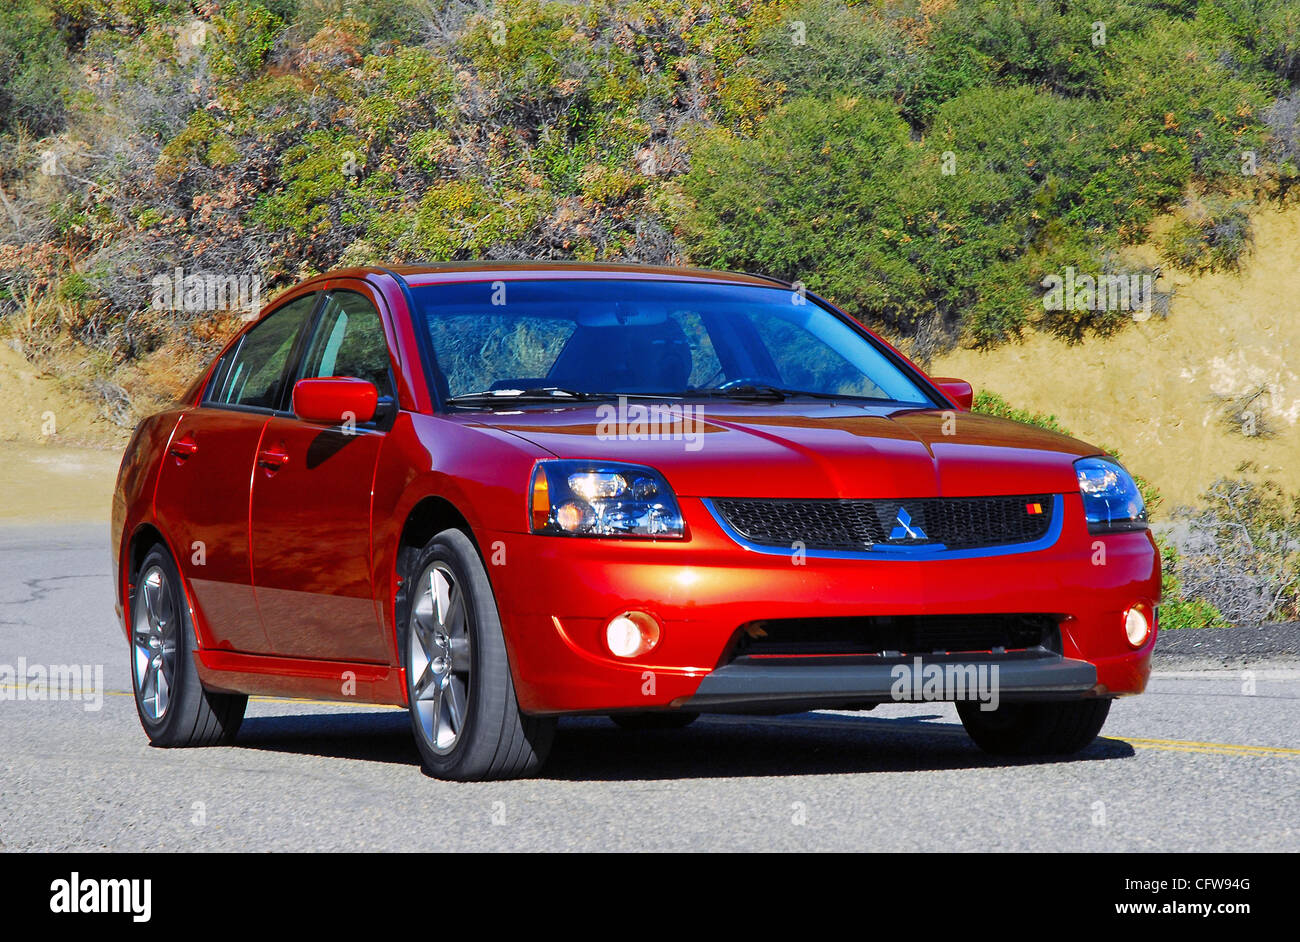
column 174, row 708
column 1034, row 729
column 678, row 719
column 464, row 714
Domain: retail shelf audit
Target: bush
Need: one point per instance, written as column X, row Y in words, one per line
column 836, row 194
column 1241, row 553
column 990, row 403
column 203, row 142
column 313, row 177
column 1031, row 43
column 126, row 15
column 244, row 33
column 956, row 231
column 1210, row 235
column 1184, row 109
column 33, row 69
column 1176, row 610
column 824, row 48
column 386, row 20
column 1279, row 42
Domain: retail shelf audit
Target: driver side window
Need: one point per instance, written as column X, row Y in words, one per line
column 349, row 341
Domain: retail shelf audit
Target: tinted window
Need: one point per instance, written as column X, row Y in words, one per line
column 252, row 374
column 349, row 341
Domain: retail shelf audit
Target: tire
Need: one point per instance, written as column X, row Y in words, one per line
column 1034, row 729
column 176, row 711
column 645, row 722
column 460, row 694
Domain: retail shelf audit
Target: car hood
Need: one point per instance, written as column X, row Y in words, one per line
column 820, row 450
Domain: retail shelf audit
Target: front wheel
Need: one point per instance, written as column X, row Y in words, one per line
column 464, row 714
column 174, row 708
column 1034, row 729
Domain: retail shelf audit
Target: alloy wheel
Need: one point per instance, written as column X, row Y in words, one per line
column 154, row 642
column 440, row 658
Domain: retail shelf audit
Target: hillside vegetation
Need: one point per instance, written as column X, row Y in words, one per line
column 924, row 164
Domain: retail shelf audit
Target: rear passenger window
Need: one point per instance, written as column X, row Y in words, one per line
column 253, row 373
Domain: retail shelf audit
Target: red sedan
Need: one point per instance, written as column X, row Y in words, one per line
column 499, row 493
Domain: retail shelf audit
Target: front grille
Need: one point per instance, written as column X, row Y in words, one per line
column 952, row 522
column 897, row 634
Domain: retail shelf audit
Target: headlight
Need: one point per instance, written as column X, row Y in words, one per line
column 586, row 498
column 1111, row 500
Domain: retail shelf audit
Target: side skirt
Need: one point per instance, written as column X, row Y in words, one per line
column 266, row 676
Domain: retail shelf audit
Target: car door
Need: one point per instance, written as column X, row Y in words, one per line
column 310, row 519
column 203, row 488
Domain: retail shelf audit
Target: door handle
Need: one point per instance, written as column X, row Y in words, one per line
column 273, row 459
column 183, row 448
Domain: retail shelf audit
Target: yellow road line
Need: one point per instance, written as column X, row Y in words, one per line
column 1220, row 748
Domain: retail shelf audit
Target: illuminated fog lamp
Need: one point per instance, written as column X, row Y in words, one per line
column 1137, row 625
column 631, row 633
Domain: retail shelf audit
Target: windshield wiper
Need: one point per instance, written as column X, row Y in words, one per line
column 763, row 391
column 536, row 394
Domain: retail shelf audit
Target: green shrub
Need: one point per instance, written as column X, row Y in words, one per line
column 33, row 69
column 128, row 15
column 1279, row 41
column 387, row 20
column 1182, row 102
column 458, row 219
column 202, row 142
column 244, row 33
column 990, row 403
column 836, row 194
column 313, row 176
column 1028, row 42
column 825, row 48
column 408, row 86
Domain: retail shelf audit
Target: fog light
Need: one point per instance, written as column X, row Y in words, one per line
column 631, row 633
column 1137, row 626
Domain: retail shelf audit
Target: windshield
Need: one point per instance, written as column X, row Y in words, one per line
column 585, row 338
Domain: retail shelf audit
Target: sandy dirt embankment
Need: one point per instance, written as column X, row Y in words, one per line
column 58, row 455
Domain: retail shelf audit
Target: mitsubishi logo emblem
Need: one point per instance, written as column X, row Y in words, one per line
column 905, row 530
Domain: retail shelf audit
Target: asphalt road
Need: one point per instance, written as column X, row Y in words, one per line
column 1198, row 763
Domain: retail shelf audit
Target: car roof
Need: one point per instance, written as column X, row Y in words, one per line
column 491, row 270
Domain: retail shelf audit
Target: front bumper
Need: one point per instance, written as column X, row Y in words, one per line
column 555, row 596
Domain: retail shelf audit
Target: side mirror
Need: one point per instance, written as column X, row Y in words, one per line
column 335, row 400
column 958, row 390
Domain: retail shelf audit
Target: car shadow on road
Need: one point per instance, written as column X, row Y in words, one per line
column 372, row 736
column 594, row 749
